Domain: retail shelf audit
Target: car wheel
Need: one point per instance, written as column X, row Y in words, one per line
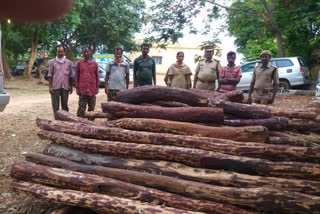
column 283, row 87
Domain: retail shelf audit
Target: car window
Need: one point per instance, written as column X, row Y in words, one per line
column 301, row 62
column 248, row 67
column 273, row 63
column 284, row 63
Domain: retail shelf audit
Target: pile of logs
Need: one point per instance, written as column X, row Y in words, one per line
column 166, row 150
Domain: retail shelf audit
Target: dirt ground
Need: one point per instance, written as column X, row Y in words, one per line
column 29, row 100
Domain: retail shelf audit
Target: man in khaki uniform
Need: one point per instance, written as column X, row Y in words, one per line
column 207, row 71
column 262, row 79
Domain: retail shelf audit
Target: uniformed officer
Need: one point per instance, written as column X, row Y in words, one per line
column 262, row 79
column 207, row 71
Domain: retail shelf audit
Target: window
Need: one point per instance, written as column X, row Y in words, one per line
column 248, row 67
column 157, row 59
column 301, row 62
column 284, row 63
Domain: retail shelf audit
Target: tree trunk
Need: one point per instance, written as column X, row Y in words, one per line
column 192, row 157
column 150, row 179
column 280, row 43
column 244, row 134
column 98, row 202
column 282, row 201
column 273, row 123
column 69, row 53
column 33, row 53
column 67, row 116
column 4, row 57
column 185, row 114
column 113, row 187
column 256, row 150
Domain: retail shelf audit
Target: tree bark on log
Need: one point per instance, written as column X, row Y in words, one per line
column 248, row 149
column 244, row 134
column 293, row 139
column 294, row 114
column 67, row 116
column 273, row 123
column 66, row 179
column 152, row 180
column 98, row 202
column 303, row 124
column 170, row 104
column 282, row 201
column 149, row 94
column 192, row 157
column 233, row 96
column 306, row 113
column 184, row 114
column 72, row 210
column 98, row 114
column 241, row 110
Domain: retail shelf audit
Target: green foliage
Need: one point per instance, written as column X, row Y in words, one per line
column 99, row 24
column 169, row 18
column 298, row 21
column 301, row 23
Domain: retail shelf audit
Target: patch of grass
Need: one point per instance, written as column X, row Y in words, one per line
column 34, row 91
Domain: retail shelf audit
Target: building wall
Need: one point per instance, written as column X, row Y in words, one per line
column 169, row 56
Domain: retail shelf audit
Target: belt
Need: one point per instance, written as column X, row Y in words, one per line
column 213, row 81
column 263, row 91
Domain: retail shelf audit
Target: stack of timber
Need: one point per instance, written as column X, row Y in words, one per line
column 161, row 160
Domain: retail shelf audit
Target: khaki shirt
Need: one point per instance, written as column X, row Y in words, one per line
column 208, row 70
column 263, row 77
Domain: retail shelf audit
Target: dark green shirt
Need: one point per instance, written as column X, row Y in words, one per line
column 144, row 70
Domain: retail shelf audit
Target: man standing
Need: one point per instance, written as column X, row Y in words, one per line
column 117, row 75
column 86, row 82
column 60, row 80
column 261, row 83
column 207, row 71
column 144, row 70
column 230, row 75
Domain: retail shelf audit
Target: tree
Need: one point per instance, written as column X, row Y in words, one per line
column 4, row 58
column 171, row 17
column 100, row 24
column 299, row 21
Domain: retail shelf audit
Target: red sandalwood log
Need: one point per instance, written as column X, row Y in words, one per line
column 98, row 202
column 244, row 134
column 192, row 157
column 185, row 114
column 273, row 123
column 174, row 170
column 282, row 201
column 67, row 179
column 66, row 116
column 248, row 149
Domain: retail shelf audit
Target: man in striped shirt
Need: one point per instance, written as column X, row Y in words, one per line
column 230, row 75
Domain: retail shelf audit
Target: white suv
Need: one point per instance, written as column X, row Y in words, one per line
column 293, row 71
